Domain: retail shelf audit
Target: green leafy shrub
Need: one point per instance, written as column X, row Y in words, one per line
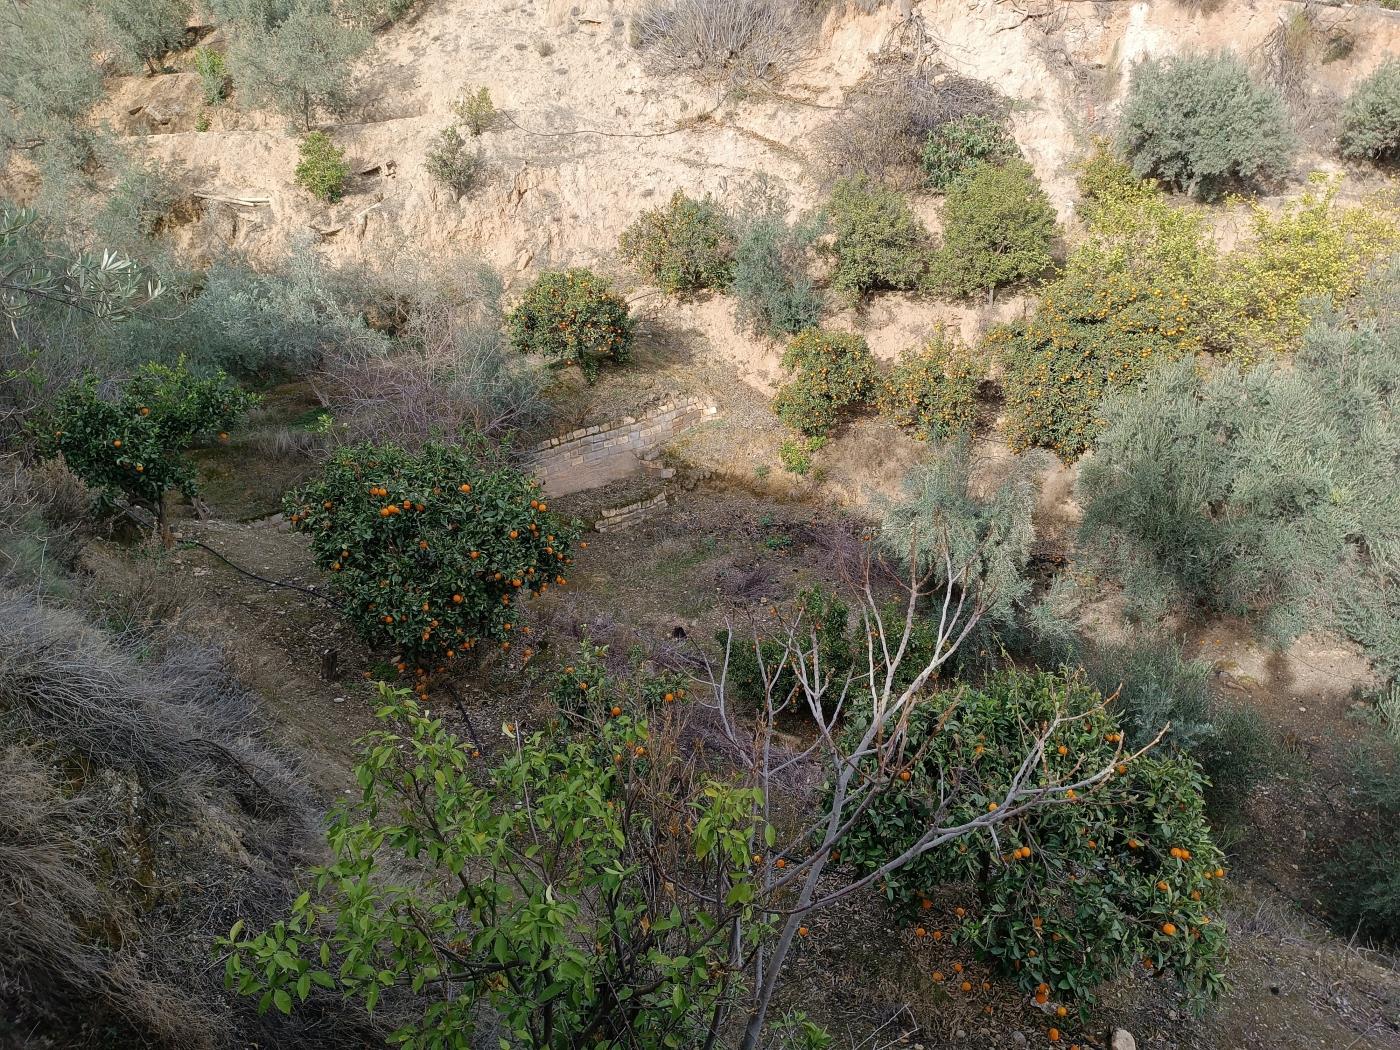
column 212, row 70
column 1066, row 896
column 683, row 248
column 49, row 82
column 585, row 687
column 795, row 454
column 145, row 31
column 1156, row 685
column 879, row 242
column 1308, row 254
column 1251, row 492
column 450, row 163
column 1371, row 117
column 573, row 317
column 832, row 372
column 296, row 58
column 1090, row 334
column 431, row 552
column 933, row 389
column 997, row 228
column 1365, row 877
column 134, row 445
column 322, row 170
column 375, row 15
column 773, row 293
column 565, row 934
column 952, row 149
column 1104, row 177
column 822, row 616
column 1200, row 124
column 476, row 111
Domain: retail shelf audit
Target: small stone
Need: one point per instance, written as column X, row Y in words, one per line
column 1123, row 1040
column 1019, row 1038
column 338, row 700
column 959, row 1035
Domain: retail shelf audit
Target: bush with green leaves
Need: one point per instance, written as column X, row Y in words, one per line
column 133, row 445
column 685, row 247
column 1122, row 874
column 432, row 552
column 585, row 687
column 451, row 163
column 296, row 58
column 138, row 205
column 1371, row 117
column 322, row 170
column 952, row 149
column 145, row 31
column 49, row 82
column 879, row 243
column 212, row 70
column 997, row 228
column 475, row 110
column 832, row 372
column 1199, row 124
column 754, row 665
column 932, row 390
column 553, row 920
column 1255, row 492
column 575, row 318
column 1155, row 685
column 773, row 294
column 1090, row 334
column 795, row 454
column 1103, row 176
column 1364, row 879
column 375, row 15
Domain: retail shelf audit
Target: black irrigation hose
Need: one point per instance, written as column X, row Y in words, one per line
column 263, row 579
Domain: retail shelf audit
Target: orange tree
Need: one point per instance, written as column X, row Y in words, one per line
column 546, row 921
column 832, row 372
column 133, row 445
column 432, row 551
column 574, row 317
column 1073, row 893
column 1092, row 333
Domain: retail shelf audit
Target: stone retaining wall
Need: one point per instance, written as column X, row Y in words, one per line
column 594, row 456
column 623, row 517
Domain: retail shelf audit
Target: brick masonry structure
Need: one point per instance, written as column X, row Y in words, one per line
column 594, row 456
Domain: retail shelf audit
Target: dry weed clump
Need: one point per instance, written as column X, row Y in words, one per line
column 142, row 812
column 730, row 42
column 888, row 119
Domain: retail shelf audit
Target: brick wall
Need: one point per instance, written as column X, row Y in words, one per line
column 597, row 455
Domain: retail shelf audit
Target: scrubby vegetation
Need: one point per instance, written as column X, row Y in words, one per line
column 574, row 318
column 322, row 170
column 451, row 163
column 844, row 730
column 831, row 373
column 1371, row 118
column 772, row 290
column 998, row 225
column 879, row 242
column 953, row 149
column 1199, row 124
column 683, row 248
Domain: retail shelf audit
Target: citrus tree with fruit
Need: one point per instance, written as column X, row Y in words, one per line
column 1068, row 895
column 433, row 552
column 132, row 444
column 545, row 918
column 575, row 318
